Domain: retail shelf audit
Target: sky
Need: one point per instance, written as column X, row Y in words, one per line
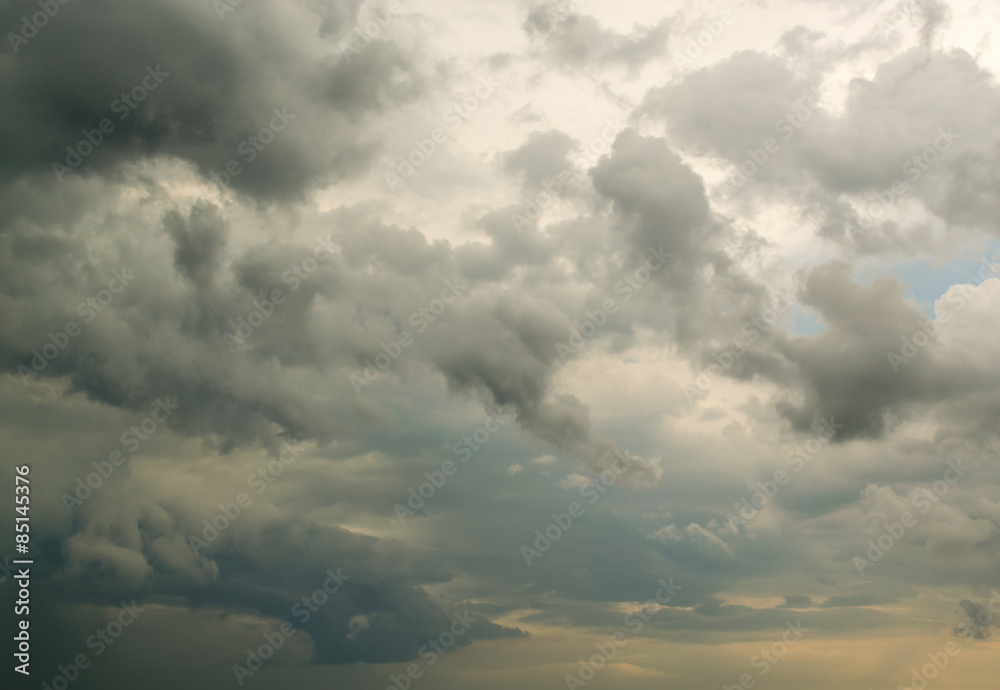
column 436, row 344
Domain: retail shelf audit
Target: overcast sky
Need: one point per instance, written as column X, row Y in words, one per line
column 503, row 344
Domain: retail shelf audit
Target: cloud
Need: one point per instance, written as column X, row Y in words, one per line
column 358, row 624
column 978, row 621
column 261, row 297
column 575, row 40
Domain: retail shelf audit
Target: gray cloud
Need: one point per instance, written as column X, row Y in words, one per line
column 200, row 323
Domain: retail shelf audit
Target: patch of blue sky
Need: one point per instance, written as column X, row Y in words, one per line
column 927, row 280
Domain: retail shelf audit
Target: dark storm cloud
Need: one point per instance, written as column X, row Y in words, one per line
column 215, row 88
column 202, row 267
column 658, row 201
column 379, row 77
column 846, row 371
column 199, row 242
column 661, row 201
column 507, row 353
column 382, row 586
column 978, row 620
column 502, row 347
column 160, row 336
column 265, row 567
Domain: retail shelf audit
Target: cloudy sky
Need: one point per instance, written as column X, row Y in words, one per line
column 437, row 344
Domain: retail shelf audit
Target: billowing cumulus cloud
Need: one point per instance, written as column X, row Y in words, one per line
column 379, row 344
